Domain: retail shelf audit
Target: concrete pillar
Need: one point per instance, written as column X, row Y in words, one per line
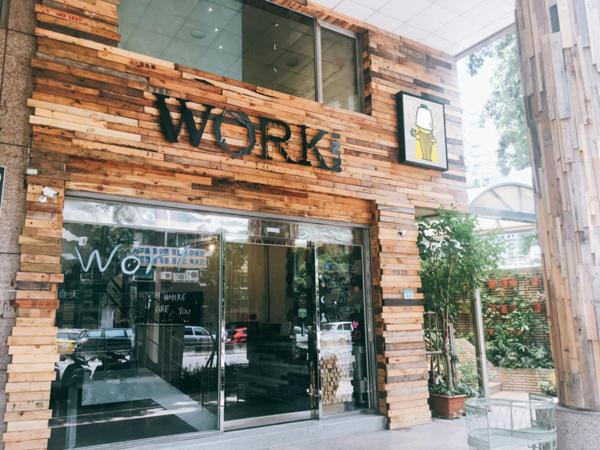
column 16, row 49
column 560, row 62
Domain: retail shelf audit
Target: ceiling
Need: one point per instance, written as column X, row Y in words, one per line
column 451, row 26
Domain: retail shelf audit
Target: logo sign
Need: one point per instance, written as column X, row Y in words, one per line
column 2, row 172
column 271, row 134
column 409, row 294
column 421, row 132
column 302, row 313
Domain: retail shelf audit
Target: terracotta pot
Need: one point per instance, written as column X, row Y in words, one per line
column 512, row 282
column 492, row 284
column 512, row 307
column 504, row 283
column 537, row 307
column 491, row 332
column 535, row 281
column 447, row 407
column 493, row 307
column 503, row 309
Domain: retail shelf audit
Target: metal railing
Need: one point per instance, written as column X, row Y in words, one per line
column 511, row 424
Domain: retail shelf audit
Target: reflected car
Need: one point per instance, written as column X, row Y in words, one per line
column 237, row 334
column 65, row 340
column 337, row 326
column 104, row 340
column 198, row 337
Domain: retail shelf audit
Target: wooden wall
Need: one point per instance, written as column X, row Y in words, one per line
column 560, row 63
column 96, row 130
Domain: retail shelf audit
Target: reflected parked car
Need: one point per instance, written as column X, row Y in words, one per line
column 198, row 337
column 65, row 340
column 337, row 326
column 237, row 334
column 101, row 341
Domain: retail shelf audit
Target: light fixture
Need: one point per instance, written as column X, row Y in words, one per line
column 220, row 47
column 210, row 9
column 198, row 34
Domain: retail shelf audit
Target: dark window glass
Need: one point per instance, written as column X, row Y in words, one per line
column 249, row 40
column 132, row 373
column 279, row 50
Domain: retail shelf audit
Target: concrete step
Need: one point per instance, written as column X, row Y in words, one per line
column 273, row 436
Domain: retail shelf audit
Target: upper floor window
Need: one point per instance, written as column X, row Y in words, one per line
column 249, row 40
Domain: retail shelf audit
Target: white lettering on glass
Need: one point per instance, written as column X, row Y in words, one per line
column 96, row 254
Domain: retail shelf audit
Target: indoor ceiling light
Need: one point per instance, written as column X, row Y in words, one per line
column 198, row 34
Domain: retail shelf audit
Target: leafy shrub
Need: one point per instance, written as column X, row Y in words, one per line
column 511, row 337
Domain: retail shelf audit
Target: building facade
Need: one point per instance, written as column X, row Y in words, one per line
column 218, row 233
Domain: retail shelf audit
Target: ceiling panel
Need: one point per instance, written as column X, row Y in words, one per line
column 451, row 26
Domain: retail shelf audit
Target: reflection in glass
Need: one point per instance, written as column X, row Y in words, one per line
column 343, row 367
column 279, row 50
column 249, row 40
column 269, row 314
column 339, row 64
column 138, row 321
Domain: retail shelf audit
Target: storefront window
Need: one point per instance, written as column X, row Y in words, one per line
column 137, row 335
column 248, row 40
column 153, row 296
column 343, row 355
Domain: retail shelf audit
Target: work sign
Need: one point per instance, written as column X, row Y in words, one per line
column 319, row 148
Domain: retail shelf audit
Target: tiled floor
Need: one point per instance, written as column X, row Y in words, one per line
column 438, row 435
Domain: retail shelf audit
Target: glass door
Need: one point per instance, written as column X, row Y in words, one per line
column 342, row 329
column 270, row 333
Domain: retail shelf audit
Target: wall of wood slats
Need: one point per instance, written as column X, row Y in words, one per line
column 560, row 64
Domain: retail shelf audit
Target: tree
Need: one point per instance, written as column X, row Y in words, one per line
column 505, row 107
column 455, row 259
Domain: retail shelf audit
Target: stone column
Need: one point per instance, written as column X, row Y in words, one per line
column 560, row 63
column 16, row 49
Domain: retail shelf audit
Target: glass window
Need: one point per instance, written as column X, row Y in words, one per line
column 343, row 330
column 133, row 373
column 248, row 40
column 340, row 70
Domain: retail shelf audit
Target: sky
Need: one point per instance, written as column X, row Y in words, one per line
column 480, row 144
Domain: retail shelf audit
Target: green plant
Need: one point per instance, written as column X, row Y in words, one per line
column 455, row 259
column 548, row 387
column 511, row 337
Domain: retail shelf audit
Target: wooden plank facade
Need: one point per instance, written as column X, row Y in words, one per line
column 560, row 64
column 96, row 130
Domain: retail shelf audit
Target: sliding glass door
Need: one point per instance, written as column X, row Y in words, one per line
column 270, row 344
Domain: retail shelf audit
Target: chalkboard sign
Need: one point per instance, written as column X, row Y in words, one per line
column 1, row 184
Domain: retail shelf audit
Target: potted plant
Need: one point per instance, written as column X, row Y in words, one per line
column 512, row 281
column 492, row 284
column 447, row 403
column 455, row 260
column 535, row 281
column 537, row 306
column 503, row 309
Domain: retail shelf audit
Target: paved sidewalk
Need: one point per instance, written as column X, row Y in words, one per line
column 440, row 434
